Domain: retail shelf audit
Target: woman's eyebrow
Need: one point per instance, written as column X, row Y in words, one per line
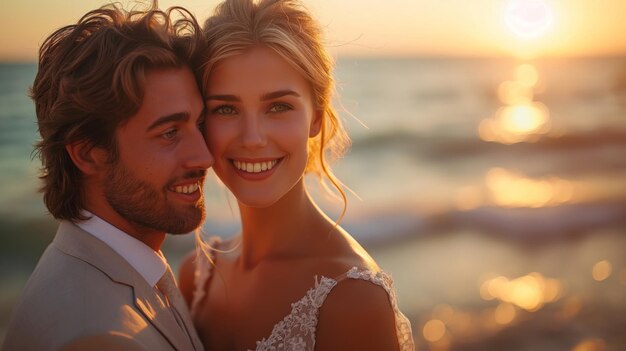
column 279, row 93
column 264, row 97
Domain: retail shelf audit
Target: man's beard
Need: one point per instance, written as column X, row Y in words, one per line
column 142, row 204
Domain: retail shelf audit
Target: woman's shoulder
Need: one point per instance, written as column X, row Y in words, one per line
column 356, row 300
column 342, row 253
column 361, row 293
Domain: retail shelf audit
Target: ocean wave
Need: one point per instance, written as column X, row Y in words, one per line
column 526, row 226
column 611, row 136
column 445, row 148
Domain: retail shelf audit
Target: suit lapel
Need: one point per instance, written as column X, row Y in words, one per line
column 77, row 243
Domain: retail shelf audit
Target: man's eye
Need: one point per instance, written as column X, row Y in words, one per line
column 224, row 110
column 280, row 107
column 170, row 134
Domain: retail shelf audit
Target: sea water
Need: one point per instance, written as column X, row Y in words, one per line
column 463, row 173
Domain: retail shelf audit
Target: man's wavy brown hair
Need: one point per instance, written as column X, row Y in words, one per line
column 91, row 79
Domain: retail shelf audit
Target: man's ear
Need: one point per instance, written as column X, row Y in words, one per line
column 88, row 159
column 316, row 123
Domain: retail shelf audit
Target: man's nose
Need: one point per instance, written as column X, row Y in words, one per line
column 198, row 154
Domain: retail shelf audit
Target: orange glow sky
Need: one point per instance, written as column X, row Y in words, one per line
column 378, row 28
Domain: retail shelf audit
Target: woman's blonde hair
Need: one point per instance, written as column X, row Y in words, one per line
column 286, row 27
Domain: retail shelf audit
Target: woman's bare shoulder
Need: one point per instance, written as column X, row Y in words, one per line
column 344, row 253
column 357, row 315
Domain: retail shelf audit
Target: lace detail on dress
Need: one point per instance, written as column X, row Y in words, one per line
column 296, row 332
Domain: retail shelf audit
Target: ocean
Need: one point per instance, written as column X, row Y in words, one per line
column 493, row 190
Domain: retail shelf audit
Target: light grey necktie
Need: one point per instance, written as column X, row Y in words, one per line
column 167, row 286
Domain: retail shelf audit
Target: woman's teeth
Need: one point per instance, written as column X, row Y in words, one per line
column 254, row 167
column 186, row 189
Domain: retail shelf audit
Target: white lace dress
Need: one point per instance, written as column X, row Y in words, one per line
column 296, row 332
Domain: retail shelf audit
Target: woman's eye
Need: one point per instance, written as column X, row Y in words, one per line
column 280, row 107
column 224, row 110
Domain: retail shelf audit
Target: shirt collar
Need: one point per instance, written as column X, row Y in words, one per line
column 149, row 264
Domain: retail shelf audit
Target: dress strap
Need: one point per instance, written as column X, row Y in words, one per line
column 204, row 263
column 380, row 278
column 297, row 330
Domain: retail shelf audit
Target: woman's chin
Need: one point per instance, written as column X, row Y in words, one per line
column 257, row 204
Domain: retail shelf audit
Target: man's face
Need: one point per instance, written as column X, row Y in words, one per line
column 156, row 180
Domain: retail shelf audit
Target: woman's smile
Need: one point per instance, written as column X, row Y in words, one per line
column 256, row 169
column 255, row 166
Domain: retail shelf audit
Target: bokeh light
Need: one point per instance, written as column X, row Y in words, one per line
column 434, row 330
column 529, row 292
column 590, row 345
column 504, row 313
column 520, row 119
column 601, row 270
column 512, row 189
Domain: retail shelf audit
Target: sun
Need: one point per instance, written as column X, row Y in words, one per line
column 528, row 19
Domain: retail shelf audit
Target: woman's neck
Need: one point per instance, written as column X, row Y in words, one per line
column 292, row 227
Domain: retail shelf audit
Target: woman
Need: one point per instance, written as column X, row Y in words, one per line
column 296, row 280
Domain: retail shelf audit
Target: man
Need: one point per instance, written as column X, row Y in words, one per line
column 124, row 161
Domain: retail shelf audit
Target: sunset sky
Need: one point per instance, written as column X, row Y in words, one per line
column 388, row 28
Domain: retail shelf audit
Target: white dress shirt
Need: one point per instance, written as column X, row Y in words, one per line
column 149, row 264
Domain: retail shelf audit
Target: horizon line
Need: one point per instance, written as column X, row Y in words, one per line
column 419, row 56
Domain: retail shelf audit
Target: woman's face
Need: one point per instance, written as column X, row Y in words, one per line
column 260, row 115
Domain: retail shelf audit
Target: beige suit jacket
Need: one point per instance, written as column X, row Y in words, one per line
column 84, row 296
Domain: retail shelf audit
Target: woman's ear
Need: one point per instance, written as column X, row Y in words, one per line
column 88, row 159
column 316, row 123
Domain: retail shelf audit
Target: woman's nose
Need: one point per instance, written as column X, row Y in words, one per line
column 253, row 135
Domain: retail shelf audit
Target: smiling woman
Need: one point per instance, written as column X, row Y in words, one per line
column 298, row 281
column 254, row 119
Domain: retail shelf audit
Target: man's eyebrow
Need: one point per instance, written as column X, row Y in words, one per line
column 176, row 117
